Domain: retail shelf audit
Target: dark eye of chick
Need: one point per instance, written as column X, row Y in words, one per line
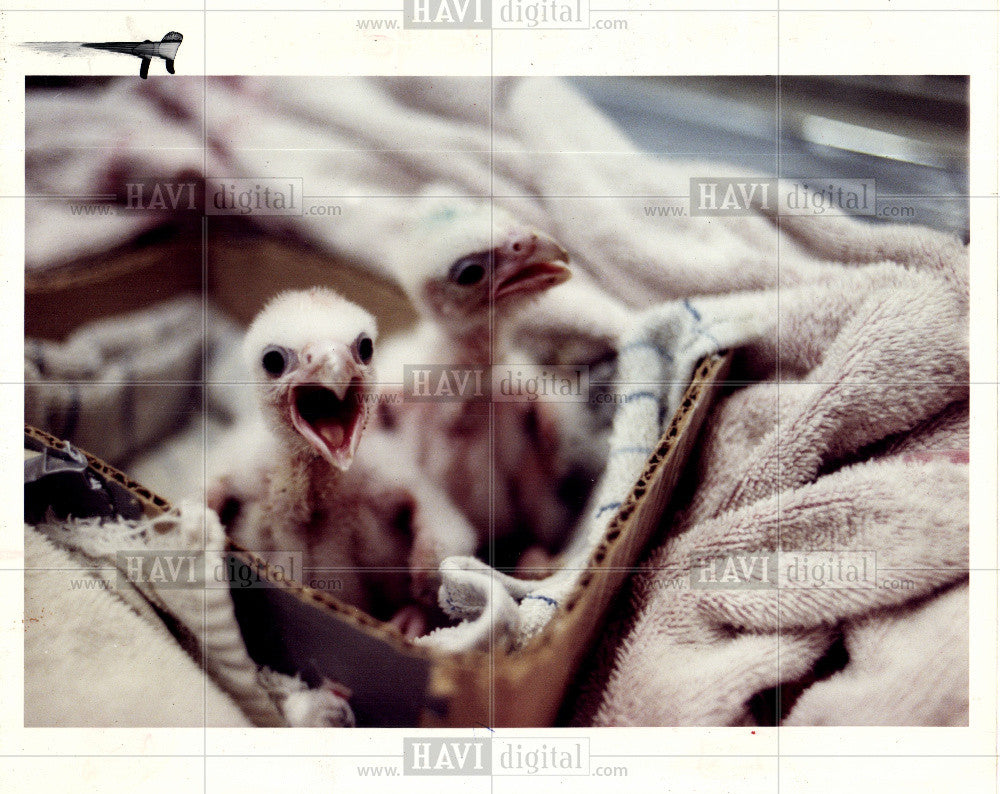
column 274, row 360
column 470, row 270
column 364, row 349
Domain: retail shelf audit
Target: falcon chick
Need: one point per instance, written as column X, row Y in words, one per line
column 470, row 272
column 301, row 484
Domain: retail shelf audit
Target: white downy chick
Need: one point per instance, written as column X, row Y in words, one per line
column 303, row 486
column 471, row 271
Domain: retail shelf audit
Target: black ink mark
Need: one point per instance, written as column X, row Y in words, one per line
column 166, row 48
column 146, row 50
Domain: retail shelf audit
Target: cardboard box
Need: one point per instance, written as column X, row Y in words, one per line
column 294, row 629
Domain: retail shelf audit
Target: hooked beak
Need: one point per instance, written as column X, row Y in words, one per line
column 327, row 405
column 528, row 264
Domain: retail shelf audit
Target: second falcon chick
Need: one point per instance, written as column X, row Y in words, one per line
column 470, row 271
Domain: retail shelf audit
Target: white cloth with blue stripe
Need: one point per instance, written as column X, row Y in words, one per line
column 656, row 359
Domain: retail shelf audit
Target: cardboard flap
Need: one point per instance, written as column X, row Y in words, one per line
column 285, row 630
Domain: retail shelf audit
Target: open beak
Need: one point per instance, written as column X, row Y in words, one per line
column 327, row 407
column 528, row 264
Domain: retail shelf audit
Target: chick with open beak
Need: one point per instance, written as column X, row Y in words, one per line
column 312, row 355
column 303, row 481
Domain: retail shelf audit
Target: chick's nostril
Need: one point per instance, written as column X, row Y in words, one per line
column 522, row 246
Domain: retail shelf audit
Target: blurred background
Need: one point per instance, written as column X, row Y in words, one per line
column 908, row 132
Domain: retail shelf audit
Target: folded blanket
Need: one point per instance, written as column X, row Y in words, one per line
column 92, row 657
column 849, row 443
column 95, row 583
column 844, row 432
column 117, row 386
column 81, row 150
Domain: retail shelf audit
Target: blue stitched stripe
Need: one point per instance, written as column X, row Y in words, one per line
column 546, row 599
column 704, row 332
column 697, row 318
column 693, row 310
column 635, row 395
column 608, row 506
column 632, row 451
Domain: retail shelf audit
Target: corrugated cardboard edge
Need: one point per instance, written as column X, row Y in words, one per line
column 152, row 504
column 525, row 688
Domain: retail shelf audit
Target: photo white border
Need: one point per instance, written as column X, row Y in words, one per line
column 878, row 38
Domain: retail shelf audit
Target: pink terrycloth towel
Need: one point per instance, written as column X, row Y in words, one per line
column 853, row 443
